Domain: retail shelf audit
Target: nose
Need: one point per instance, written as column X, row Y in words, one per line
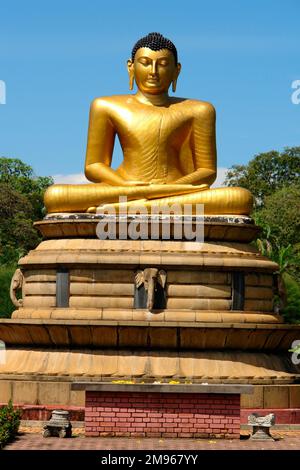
column 154, row 68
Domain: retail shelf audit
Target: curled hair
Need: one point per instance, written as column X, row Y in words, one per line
column 155, row 42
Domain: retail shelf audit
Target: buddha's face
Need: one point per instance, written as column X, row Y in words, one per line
column 153, row 71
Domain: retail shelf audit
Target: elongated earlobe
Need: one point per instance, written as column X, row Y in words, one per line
column 131, row 81
column 174, row 84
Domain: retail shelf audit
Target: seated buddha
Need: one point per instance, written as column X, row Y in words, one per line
column 168, row 144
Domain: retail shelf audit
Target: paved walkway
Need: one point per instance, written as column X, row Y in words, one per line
column 285, row 440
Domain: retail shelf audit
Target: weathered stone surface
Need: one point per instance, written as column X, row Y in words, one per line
column 59, row 425
column 276, row 397
column 256, row 400
column 5, row 391
column 294, row 396
column 25, row 392
column 54, row 393
column 261, row 426
column 264, row 421
column 193, row 365
column 176, row 331
column 215, row 227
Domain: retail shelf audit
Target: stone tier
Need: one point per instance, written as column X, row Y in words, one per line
column 221, row 228
column 88, row 277
column 57, row 350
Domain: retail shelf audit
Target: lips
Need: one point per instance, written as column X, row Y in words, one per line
column 153, row 80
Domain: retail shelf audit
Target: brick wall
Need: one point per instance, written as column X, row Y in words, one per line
column 162, row 414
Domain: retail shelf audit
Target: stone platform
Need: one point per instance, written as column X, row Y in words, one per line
column 84, row 312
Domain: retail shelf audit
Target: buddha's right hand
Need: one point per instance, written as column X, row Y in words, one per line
column 136, row 183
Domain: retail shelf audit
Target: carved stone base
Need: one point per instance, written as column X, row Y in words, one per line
column 85, row 311
column 261, row 426
column 59, row 425
column 84, row 275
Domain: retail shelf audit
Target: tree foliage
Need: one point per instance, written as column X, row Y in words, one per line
column 20, row 177
column 274, row 180
column 266, row 173
column 6, row 305
column 21, row 203
column 280, row 215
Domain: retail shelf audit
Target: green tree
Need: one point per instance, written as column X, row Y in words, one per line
column 17, row 234
column 274, row 180
column 280, row 216
column 21, row 203
column 266, row 173
column 20, row 177
column 6, row 305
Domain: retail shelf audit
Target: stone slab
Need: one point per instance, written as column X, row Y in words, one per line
column 163, row 388
column 225, row 227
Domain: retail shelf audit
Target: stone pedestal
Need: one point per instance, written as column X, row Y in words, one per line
column 59, row 425
column 85, row 315
column 261, row 426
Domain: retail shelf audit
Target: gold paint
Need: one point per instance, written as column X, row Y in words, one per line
column 168, row 145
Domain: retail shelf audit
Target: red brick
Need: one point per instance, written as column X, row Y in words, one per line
column 160, row 414
column 111, row 415
column 170, row 425
column 152, row 425
column 93, row 413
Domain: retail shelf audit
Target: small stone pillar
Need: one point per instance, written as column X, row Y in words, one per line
column 261, row 426
column 59, row 425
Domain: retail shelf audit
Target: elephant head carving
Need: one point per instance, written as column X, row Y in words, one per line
column 150, row 277
column 15, row 285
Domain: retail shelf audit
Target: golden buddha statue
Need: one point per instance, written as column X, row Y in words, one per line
column 168, row 144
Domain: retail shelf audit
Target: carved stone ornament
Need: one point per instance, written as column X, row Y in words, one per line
column 150, row 277
column 261, row 426
column 15, row 285
column 59, row 425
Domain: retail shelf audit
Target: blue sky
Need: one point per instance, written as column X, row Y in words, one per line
column 56, row 56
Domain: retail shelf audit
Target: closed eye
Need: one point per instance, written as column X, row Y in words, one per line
column 163, row 62
column 144, row 61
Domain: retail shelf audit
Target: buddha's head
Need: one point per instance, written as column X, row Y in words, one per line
column 153, row 64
